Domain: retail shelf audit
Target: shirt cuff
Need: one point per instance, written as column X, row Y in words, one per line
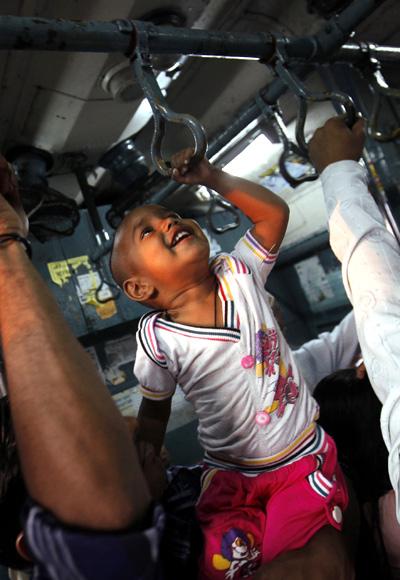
column 343, row 180
column 339, row 166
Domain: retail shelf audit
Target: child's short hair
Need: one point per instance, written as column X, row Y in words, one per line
column 12, row 492
column 350, row 413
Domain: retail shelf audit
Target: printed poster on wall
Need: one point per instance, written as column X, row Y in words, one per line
column 86, row 283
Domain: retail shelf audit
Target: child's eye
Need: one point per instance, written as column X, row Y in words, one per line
column 146, row 232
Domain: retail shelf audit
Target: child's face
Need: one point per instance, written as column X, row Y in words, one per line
column 167, row 249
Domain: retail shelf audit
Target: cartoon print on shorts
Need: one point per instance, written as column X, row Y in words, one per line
column 267, row 351
column 239, row 556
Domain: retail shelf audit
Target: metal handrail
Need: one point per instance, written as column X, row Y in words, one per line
column 306, row 96
column 162, row 113
column 273, row 114
column 380, row 90
column 227, row 206
column 36, row 33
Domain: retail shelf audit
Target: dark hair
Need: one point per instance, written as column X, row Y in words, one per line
column 12, row 492
column 350, row 412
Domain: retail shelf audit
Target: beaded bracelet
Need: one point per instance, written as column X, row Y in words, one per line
column 14, row 237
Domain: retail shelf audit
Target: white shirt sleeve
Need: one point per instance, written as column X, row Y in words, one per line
column 258, row 259
column 370, row 259
column 327, row 353
column 152, row 371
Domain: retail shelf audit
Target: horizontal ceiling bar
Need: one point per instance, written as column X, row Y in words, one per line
column 356, row 52
column 23, row 33
column 26, row 33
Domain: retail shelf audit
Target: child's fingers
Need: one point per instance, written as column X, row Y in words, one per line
column 359, row 127
column 182, row 158
column 179, row 171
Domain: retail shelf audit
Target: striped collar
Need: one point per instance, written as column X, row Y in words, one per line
column 221, row 266
column 205, row 333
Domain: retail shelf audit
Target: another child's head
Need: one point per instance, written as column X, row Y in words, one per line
column 350, row 412
column 157, row 255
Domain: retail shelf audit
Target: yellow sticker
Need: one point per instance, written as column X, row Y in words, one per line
column 61, row 272
column 106, row 310
column 89, row 285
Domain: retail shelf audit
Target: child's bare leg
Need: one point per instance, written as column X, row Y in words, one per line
column 325, row 556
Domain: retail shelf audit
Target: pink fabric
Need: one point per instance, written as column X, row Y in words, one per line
column 250, row 520
column 390, row 527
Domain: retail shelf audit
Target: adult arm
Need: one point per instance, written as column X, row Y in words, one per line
column 77, row 457
column 370, row 259
column 329, row 352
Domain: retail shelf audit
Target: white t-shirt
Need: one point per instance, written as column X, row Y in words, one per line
column 253, row 407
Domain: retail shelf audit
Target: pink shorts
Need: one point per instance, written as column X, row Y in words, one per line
column 250, row 520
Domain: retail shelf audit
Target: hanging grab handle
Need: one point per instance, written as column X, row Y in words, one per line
column 305, row 97
column 344, row 101
column 227, row 206
column 273, row 114
column 380, row 91
column 162, row 113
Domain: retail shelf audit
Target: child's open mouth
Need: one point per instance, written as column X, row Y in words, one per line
column 179, row 236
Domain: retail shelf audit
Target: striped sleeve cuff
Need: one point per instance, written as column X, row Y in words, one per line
column 258, row 250
column 152, row 394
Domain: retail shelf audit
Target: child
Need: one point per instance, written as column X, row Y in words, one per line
column 350, row 411
column 271, row 478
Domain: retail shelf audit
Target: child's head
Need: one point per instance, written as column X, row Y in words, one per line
column 350, row 412
column 157, row 255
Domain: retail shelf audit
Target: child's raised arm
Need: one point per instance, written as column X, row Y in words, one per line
column 268, row 212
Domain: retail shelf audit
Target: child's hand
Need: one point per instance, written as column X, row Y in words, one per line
column 184, row 170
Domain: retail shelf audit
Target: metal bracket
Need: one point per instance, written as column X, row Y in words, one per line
column 380, row 91
column 127, row 27
column 162, row 112
column 273, row 114
column 227, row 206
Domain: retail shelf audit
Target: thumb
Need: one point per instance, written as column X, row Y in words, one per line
column 358, row 128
